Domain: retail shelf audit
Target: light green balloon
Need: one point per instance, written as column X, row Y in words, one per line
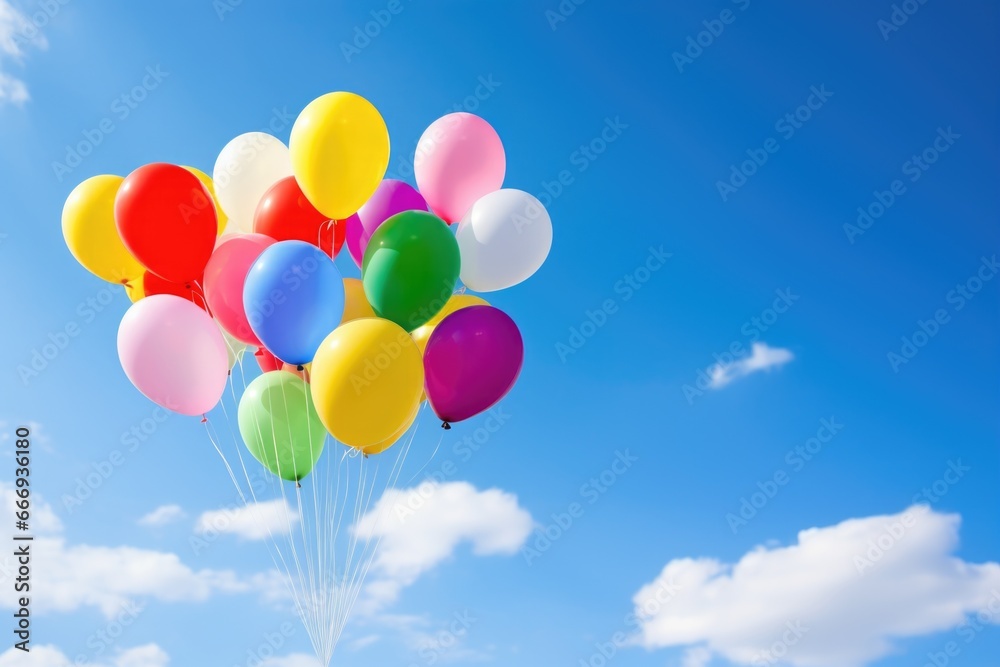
column 280, row 426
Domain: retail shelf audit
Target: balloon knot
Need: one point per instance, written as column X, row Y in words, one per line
column 298, row 485
column 446, row 426
column 300, row 367
column 204, row 419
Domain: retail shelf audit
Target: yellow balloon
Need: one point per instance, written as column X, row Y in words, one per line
column 356, row 304
column 136, row 289
column 380, row 447
column 88, row 225
column 457, row 302
column 340, row 150
column 367, row 377
column 206, row 180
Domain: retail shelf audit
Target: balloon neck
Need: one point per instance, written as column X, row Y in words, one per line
column 298, row 485
column 446, row 426
column 204, row 419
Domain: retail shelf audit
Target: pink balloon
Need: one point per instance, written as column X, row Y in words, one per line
column 224, row 277
column 356, row 239
column 173, row 353
column 459, row 159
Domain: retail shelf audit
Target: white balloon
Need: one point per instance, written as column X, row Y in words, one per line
column 247, row 166
column 504, row 238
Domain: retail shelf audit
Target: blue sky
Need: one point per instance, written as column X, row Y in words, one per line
column 641, row 139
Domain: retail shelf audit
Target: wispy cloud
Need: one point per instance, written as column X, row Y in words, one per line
column 46, row 655
column 840, row 596
column 162, row 516
column 256, row 521
column 17, row 33
column 762, row 358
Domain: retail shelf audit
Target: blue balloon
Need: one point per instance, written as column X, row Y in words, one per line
column 294, row 298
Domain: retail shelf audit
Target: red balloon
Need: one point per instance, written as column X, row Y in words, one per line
column 192, row 290
column 166, row 218
column 285, row 214
column 267, row 361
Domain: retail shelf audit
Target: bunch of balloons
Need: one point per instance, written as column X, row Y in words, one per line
column 245, row 258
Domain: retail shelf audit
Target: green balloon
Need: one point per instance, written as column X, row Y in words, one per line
column 410, row 268
column 280, row 426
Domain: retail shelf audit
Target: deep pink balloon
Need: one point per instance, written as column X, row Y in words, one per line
column 224, row 277
column 356, row 239
column 472, row 359
column 391, row 197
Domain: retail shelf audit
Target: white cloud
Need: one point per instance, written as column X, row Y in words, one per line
column 47, row 655
column 363, row 642
column 162, row 515
column 256, row 521
column 293, row 660
column 17, row 31
column 422, row 526
column 108, row 578
column 762, row 358
column 836, row 598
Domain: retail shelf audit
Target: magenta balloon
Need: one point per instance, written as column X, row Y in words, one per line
column 391, row 197
column 356, row 239
column 472, row 359
column 224, row 277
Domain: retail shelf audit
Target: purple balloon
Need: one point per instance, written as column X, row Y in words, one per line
column 391, row 197
column 356, row 239
column 472, row 359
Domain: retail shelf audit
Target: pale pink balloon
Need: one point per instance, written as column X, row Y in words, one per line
column 174, row 354
column 225, row 274
column 356, row 239
column 459, row 159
